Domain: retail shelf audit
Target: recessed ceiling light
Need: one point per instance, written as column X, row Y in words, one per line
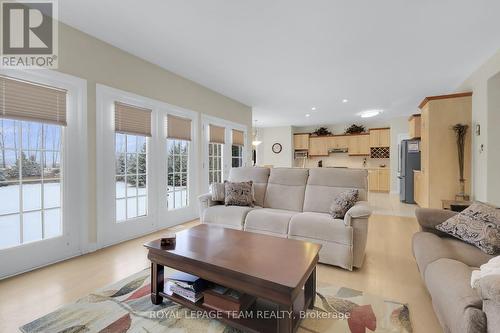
column 313, row 108
column 307, row 115
column 345, row 100
column 369, row 113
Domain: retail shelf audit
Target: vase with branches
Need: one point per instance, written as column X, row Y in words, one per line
column 460, row 134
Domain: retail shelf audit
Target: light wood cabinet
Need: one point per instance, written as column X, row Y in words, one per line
column 359, row 144
column 318, row 146
column 301, row 141
column 417, row 187
column 379, row 180
column 380, row 137
column 415, row 126
column 439, row 173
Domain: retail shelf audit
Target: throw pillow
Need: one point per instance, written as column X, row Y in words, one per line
column 343, row 202
column 218, row 191
column 239, row 194
column 478, row 225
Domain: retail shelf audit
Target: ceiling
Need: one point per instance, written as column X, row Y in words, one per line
column 283, row 57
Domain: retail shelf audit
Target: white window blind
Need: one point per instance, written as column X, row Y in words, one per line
column 131, row 119
column 30, row 101
column 178, row 128
column 217, row 134
column 238, row 138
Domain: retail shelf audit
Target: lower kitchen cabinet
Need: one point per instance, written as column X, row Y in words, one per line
column 379, row 180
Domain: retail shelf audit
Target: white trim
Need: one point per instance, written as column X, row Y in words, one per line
column 206, row 120
column 75, row 183
column 109, row 232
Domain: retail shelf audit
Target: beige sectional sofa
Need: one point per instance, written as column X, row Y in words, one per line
column 446, row 265
column 294, row 203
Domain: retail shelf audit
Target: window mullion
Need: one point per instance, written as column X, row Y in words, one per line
column 20, row 173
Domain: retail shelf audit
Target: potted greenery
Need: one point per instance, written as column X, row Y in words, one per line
column 460, row 133
column 322, row 131
column 355, row 129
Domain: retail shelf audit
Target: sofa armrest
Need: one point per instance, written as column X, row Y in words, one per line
column 489, row 290
column 205, row 201
column 361, row 210
column 429, row 218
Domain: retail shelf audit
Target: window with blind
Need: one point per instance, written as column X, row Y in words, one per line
column 32, row 119
column 215, row 153
column 178, row 131
column 238, row 142
column 132, row 129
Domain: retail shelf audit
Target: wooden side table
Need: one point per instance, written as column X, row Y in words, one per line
column 460, row 204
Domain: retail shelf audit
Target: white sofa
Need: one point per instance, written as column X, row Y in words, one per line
column 294, row 203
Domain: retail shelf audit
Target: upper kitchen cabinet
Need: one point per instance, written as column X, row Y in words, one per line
column 359, row 144
column 415, row 126
column 380, row 137
column 338, row 142
column 318, row 146
column 301, row 141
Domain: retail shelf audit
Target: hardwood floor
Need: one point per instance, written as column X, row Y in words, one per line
column 389, row 271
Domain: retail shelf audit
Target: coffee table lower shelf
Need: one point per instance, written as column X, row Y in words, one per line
column 260, row 325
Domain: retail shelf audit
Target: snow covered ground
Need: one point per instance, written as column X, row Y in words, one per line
column 10, row 229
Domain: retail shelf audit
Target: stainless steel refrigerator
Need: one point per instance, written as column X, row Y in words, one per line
column 409, row 160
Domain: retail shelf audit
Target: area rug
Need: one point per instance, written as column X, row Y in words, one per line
column 126, row 307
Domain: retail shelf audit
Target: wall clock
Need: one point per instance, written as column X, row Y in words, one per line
column 277, row 148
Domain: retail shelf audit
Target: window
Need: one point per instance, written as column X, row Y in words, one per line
column 237, row 156
column 131, row 176
column 177, row 177
column 215, row 163
column 30, row 181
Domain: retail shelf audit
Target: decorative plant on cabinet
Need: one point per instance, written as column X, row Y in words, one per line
column 461, row 132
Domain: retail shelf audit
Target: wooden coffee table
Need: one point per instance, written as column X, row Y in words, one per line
column 280, row 272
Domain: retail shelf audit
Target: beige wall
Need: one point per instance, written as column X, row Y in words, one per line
column 485, row 147
column 269, row 136
column 98, row 62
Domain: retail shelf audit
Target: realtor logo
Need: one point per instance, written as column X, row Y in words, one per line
column 29, row 34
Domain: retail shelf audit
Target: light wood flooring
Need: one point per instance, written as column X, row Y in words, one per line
column 389, row 271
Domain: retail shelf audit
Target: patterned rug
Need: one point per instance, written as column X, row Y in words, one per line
column 126, row 307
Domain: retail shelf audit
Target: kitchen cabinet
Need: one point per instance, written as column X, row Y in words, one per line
column 301, row 141
column 338, row 142
column 359, row 144
column 439, row 171
column 415, row 126
column 417, row 187
column 379, row 180
column 318, row 146
column 380, row 137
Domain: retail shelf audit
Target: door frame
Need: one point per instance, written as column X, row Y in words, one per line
column 74, row 240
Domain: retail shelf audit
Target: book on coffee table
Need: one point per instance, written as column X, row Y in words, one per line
column 227, row 300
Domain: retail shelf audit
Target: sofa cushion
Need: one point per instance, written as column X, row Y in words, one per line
column 320, row 226
column 479, row 225
column 457, row 305
column 489, row 290
column 428, row 247
column 343, row 202
column 218, row 191
column 324, row 184
column 227, row 216
column 239, row 194
column 270, row 221
column 285, row 189
column 258, row 175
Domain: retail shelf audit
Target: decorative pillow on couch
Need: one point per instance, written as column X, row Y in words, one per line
column 343, row 202
column 478, row 225
column 218, row 191
column 239, row 194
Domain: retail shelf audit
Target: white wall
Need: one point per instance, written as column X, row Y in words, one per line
column 485, row 147
column 270, row 136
